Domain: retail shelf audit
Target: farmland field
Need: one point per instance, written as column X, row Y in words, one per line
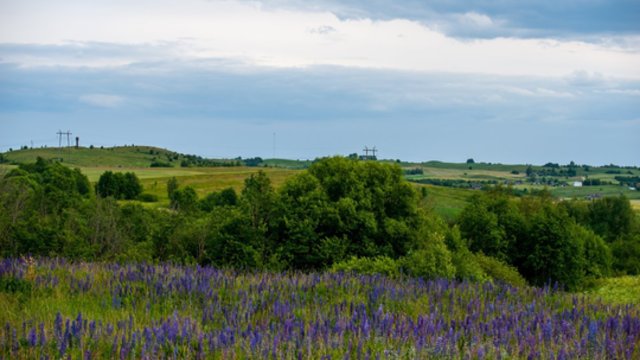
column 57, row 309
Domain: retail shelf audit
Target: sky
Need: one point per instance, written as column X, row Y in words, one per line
column 519, row 81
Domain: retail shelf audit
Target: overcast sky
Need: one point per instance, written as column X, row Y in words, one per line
column 500, row 81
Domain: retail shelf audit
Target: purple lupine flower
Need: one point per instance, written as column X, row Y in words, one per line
column 32, row 339
column 42, row 339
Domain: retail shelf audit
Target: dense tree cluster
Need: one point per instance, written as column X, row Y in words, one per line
column 119, row 185
column 341, row 213
column 568, row 241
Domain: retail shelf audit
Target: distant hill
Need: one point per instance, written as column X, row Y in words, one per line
column 119, row 156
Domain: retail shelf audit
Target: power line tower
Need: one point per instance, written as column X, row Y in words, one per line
column 59, row 133
column 68, row 133
column 368, row 151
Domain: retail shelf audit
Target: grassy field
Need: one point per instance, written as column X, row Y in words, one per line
column 445, row 201
column 121, row 156
column 604, row 190
column 207, row 180
column 617, row 290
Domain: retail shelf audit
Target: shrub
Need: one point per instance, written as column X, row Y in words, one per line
column 498, row 270
column 467, row 267
column 159, row 164
column 431, row 262
column 378, row 265
column 13, row 285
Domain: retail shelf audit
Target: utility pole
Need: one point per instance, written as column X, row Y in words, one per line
column 374, row 150
column 366, row 152
column 68, row 133
column 59, row 133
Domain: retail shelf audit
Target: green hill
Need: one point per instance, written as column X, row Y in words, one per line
column 120, row 156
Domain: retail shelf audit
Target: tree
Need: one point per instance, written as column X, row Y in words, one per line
column 172, row 186
column 130, row 187
column 258, row 200
column 529, row 171
column 185, row 200
column 551, row 250
column 492, row 224
column 107, row 185
column 470, row 161
column 611, row 217
column 120, row 186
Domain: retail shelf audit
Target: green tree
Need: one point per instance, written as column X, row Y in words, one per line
column 551, row 250
column 172, row 186
column 185, row 199
column 611, row 217
column 107, row 185
column 258, row 200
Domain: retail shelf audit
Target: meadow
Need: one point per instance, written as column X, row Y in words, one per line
column 59, row 309
column 446, row 201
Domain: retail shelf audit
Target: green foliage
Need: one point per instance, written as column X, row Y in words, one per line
column 626, row 255
column 597, row 255
column 611, row 217
column 185, row 199
column 550, row 251
column 498, row 270
column 14, row 285
column 431, row 258
column 542, row 239
column 381, row 265
column 148, row 198
column 118, row 185
column 617, row 290
column 226, row 197
column 361, row 215
column 492, row 223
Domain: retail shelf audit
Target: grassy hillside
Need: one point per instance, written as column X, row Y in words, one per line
column 120, row 156
column 445, row 201
column 618, row 290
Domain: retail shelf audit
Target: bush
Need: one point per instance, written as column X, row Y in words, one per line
column 498, row 270
column 466, row 266
column 378, row 265
column 13, row 285
column 159, row 164
column 431, row 262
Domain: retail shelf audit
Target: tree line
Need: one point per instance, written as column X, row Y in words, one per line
column 341, row 214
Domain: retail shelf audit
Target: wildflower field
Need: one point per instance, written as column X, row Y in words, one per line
column 54, row 309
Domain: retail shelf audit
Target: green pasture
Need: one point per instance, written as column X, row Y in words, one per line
column 445, row 201
column 604, row 190
column 120, row 156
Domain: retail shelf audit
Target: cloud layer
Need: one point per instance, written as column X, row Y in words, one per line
column 525, row 81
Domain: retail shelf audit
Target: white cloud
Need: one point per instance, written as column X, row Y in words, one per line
column 251, row 34
column 102, row 100
column 476, row 19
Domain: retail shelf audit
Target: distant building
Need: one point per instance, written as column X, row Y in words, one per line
column 577, row 184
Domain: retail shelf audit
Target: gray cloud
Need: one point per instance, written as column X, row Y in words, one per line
column 226, row 110
column 514, row 18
